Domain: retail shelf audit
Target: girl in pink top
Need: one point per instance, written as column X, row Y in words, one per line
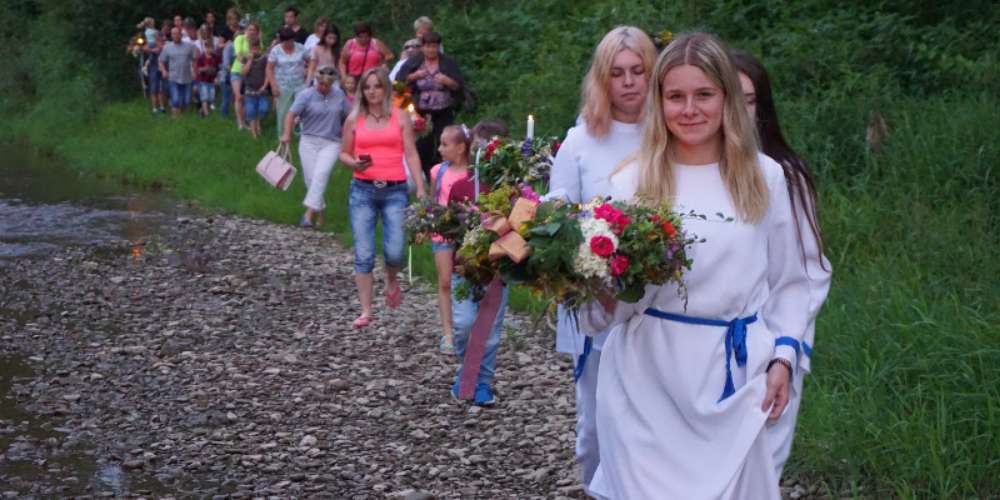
column 454, row 149
column 363, row 52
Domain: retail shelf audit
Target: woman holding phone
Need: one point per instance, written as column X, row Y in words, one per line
column 377, row 136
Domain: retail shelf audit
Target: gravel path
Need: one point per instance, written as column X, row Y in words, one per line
column 221, row 362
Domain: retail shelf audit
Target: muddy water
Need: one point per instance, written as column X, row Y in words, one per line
column 45, row 206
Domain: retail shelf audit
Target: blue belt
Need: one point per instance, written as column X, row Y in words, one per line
column 736, row 339
column 588, row 344
column 736, row 336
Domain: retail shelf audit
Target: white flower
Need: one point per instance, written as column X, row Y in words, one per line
column 472, row 236
column 587, row 263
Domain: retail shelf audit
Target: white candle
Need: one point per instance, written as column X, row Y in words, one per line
column 531, row 127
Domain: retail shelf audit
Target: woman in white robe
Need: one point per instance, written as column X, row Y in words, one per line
column 684, row 393
column 614, row 92
column 756, row 87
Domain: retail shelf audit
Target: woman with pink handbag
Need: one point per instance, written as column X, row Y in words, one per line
column 321, row 110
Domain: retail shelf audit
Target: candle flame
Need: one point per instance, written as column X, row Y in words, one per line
column 410, row 108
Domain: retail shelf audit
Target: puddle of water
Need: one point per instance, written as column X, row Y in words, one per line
column 45, row 205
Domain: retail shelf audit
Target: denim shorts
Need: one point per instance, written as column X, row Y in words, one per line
column 206, row 91
column 367, row 203
column 256, row 106
column 180, row 94
column 157, row 84
column 441, row 246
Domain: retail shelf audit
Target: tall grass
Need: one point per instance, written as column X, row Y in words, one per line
column 907, row 363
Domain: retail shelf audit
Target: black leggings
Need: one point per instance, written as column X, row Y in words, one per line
column 427, row 146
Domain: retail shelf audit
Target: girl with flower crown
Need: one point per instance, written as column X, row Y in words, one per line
column 614, row 91
column 686, row 386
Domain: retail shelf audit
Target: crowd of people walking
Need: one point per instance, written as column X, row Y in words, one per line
column 693, row 125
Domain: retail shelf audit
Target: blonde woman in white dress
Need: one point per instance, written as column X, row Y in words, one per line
column 684, row 393
column 612, row 101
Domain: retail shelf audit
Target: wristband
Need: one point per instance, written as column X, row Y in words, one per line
column 783, row 362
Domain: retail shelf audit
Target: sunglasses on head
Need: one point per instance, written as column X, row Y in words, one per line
column 328, row 72
column 411, row 47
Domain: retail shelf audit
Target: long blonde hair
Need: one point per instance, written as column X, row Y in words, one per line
column 738, row 163
column 595, row 103
column 361, row 104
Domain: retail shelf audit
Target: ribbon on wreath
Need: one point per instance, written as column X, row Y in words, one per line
column 513, row 246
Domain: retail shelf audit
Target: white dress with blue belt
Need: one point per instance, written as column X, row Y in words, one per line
column 819, row 270
column 679, row 390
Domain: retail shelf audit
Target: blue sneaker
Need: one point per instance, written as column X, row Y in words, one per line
column 484, row 396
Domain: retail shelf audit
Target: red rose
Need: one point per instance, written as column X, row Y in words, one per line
column 490, row 149
column 616, row 218
column 602, row 246
column 654, row 218
column 606, row 212
column 619, row 264
column 555, row 147
column 669, row 228
column 622, row 220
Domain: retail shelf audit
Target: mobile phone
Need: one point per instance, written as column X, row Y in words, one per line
column 365, row 158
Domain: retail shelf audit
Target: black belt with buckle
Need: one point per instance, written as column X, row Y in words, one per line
column 380, row 183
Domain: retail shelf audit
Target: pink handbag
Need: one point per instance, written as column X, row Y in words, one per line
column 276, row 168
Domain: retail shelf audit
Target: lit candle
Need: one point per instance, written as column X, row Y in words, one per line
column 531, row 127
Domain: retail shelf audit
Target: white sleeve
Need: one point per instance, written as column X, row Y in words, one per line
column 395, row 70
column 565, row 173
column 820, row 274
column 786, row 310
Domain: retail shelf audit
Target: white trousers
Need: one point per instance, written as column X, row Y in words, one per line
column 318, row 157
column 588, row 453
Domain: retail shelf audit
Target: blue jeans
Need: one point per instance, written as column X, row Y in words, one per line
column 156, row 81
column 366, row 203
column 180, row 94
column 227, row 98
column 463, row 314
column 206, row 92
column 255, row 106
